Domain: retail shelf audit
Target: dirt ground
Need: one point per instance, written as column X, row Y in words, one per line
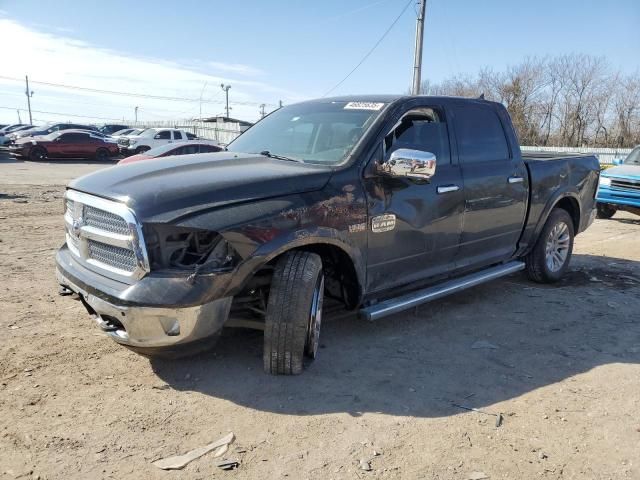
column 561, row 363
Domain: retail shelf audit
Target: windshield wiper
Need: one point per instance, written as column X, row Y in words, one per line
column 267, row 153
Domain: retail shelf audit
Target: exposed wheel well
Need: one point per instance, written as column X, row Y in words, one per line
column 571, row 206
column 341, row 279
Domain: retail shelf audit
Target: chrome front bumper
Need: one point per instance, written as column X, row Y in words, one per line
column 153, row 327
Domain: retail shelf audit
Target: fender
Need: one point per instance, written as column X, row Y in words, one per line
column 532, row 232
column 300, row 238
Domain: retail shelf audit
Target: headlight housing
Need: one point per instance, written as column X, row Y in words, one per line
column 171, row 248
column 605, row 181
column 132, row 142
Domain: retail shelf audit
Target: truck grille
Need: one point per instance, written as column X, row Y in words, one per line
column 118, row 257
column 105, row 236
column 107, row 221
column 625, row 184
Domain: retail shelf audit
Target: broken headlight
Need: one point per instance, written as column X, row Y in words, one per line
column 188, row 249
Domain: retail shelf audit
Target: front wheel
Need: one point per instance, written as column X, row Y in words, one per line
column 142, row 149
column 37, row 154
column 102, row 155
column 294, row 313
column 605, row 211
column 549, row 259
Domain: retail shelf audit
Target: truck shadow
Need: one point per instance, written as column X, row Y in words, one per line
column 476, row 348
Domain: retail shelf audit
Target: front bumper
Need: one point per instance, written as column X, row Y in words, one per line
column 619, row 197
column 147, row 326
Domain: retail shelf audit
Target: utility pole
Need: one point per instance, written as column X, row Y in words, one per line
column 280, row 104
column 262, row 113
column 225, row 89
column 19, row 119
column 201, row 93
column 29, row 94
column 136, row 113
column 417, row 61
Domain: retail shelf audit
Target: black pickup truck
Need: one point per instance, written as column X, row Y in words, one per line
column 380, row 203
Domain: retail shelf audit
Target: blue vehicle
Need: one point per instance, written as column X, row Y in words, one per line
column 619, row 187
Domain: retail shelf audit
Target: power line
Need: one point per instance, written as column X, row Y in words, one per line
column 63, row 114
column 129, row 94
column 370, row 51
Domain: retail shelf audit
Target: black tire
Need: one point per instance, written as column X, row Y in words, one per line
column 37, row 154
column 102, row 155
column 142, row 149
column 291, row 333
column 542, row 265
column 605, row 211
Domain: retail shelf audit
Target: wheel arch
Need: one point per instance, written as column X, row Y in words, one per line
column 343, row 265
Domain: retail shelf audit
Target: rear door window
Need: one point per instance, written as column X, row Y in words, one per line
column 177, row 136
column 479, row 133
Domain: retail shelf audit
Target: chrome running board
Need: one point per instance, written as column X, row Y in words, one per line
column 398, row 304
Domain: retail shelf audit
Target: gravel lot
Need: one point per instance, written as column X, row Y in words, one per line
column 560, row 363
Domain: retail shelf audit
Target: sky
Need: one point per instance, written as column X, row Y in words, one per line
column 276, row 50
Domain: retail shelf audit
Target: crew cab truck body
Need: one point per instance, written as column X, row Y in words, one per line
column 379, row 202
column 150, row 138
column 620, row 186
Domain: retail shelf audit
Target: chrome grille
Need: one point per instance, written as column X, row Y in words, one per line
column 105, row 236
column 107, row 221
column 117, row 257
column 626, row 184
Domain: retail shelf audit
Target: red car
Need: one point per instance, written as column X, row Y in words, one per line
column 65, row 144
column 171, row 149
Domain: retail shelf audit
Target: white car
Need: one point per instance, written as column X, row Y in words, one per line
column 150, row 138
column 8, row 130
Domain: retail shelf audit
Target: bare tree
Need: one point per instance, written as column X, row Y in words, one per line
column 570, row 100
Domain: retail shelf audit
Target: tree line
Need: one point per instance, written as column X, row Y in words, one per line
column 572, row 100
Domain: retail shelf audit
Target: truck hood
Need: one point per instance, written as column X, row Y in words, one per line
column 623, row 171
column 169, row 188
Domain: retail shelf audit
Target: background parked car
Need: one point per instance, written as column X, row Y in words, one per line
column 110, row 128
column 47, row 129
column 126, row 131
column 150, row 138
column 65, row 144
column 9, row 129
column 169, row 150
column 619, row 187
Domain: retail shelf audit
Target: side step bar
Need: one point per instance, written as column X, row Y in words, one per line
column 398, row 304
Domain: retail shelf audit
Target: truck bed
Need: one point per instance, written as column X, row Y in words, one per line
column 550, row 174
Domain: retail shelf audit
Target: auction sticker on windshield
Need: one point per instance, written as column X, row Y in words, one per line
column 363, row 106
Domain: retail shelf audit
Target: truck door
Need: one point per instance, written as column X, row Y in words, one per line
column 413, row 225
column 495, row 186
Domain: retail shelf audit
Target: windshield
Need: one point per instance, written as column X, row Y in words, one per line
column 322, row 133
column 633, row 158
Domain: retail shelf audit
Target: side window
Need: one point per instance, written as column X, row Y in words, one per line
column 423, row 129
column 177, row 136
column 65, row 137
column 191, row 149
column 480, row 135
column 163, row 135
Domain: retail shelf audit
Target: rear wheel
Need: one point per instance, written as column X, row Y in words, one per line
column 605, row 210
column 294, row 313
column 102, row 155
column 37, row 154
column 549, row 259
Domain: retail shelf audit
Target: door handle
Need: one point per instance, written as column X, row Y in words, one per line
column 516, row 179
column 447, row 188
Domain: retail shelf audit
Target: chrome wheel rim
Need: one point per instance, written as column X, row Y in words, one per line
column 557, row 247
column 315, row 319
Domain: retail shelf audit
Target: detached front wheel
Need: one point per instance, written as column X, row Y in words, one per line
column 549, row 259
column 294, row 313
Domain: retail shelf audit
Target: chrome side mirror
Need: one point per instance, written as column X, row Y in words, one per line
column 409, row 163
